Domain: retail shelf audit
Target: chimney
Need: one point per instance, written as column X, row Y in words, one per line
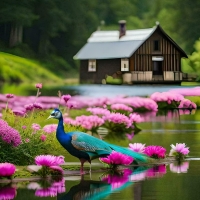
column 122, row 28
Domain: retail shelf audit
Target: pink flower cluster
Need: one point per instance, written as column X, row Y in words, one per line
column 155, row 151
column 166, row 97
column 117, row 158
column 195, row 91
column 50, row 128
column 117, row 118
column 186, row 103
column 121, row 107
column 135, row 118
column 99, row 111
column 9, row 134
column 89, row 122
column 7, row 169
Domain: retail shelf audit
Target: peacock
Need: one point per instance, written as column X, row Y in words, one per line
column 86, row 147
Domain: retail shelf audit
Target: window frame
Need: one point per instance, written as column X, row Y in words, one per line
column 156, row 45
column 92, row 65
column 124, row 61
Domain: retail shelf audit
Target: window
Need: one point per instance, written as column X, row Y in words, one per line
column 156, row 45
column 124, row 65
column 92, row 65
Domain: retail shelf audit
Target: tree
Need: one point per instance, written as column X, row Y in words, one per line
column 16, row 15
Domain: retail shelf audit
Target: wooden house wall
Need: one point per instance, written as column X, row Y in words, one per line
column 103, row 68
column 141, row 60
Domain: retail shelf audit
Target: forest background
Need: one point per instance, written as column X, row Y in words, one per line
column 51, row 32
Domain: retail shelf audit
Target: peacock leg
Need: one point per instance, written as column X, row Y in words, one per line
column 82, row 164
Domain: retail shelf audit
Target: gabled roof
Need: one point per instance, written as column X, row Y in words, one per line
column 108, row 45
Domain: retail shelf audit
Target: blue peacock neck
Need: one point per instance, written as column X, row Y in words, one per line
column 60, row 128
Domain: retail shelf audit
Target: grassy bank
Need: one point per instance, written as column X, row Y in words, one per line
column 19, row 70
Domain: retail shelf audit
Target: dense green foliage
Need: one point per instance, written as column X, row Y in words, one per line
column 53, row 31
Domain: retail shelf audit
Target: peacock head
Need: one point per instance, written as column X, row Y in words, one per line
column 56, row 113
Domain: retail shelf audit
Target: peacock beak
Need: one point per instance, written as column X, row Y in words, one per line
column 50, row 116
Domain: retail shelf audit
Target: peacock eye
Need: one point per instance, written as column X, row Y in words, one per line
column 52, row 114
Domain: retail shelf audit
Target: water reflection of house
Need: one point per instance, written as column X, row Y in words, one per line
column 139, row 56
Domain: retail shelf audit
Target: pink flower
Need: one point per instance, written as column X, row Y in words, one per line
column 9, row 96
column 180, row 148
column 130, row 136
column 43, row 137
column 9, row 134
column 49, row 160
column 66, row 97
column 155, row 151
column 50, row 128
column 89, row 122
column 38, row 106
column 29, row 107
column 135, row 118
column 7, row 169
column 137, row 147
column 23, row 127
column 38, row 85
column 179, row 168
column 35, row 127
column 120, row 106
column 27, row 140
column 116, row 158
column 98, row 111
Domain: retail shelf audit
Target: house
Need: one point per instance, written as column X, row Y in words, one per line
column 134, row 56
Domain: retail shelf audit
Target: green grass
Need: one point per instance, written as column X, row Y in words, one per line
column 17, row 69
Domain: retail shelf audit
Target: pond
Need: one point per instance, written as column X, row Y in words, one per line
column 163, row 182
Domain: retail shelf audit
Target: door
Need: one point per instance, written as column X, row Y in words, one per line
column 157, row 68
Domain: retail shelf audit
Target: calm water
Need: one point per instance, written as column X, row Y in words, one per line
column 88, row 90
column 164, row 182
column 160, row 183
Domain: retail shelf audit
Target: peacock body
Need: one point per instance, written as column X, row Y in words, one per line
column 86, row 147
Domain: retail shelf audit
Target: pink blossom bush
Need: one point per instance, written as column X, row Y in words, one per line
column 9, row 134
column 195, row 91
column 117, row 158
column 99, row 111
column 91, row 122
column 156, row 152
column 121, row 107
column 137, row 147
column 7, row 169
column 50, row 128
column 180, row 151
column 167, row 99
column 186, row 103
